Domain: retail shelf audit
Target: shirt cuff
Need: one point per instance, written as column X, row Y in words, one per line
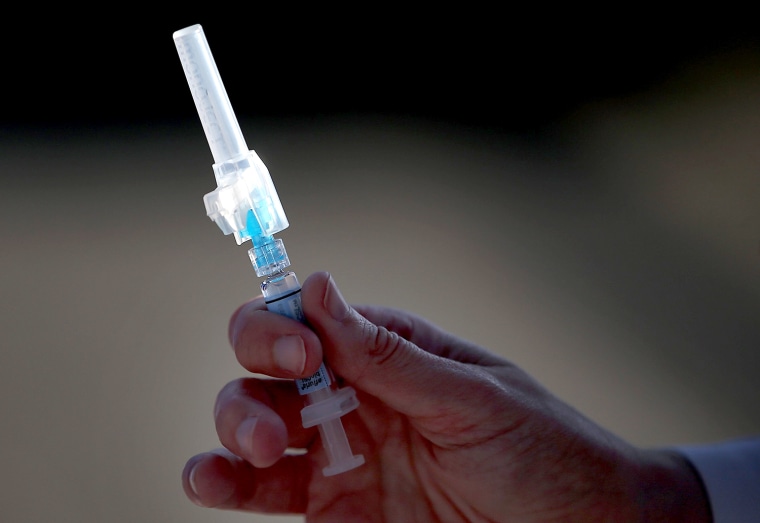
column 730, row 472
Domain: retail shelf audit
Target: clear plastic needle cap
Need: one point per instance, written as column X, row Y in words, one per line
column 245, row 202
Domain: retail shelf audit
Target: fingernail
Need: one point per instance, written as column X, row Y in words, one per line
column 244, row 435
column 193, row 489
column 334, row 302
column 289, row 354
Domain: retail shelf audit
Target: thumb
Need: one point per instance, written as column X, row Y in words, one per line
column 379, row 361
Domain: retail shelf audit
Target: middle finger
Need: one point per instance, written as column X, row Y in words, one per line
column 258, row 419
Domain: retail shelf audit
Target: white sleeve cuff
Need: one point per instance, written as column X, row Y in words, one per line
column 730, row 472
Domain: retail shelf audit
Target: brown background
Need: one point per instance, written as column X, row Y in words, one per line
column 615, row 255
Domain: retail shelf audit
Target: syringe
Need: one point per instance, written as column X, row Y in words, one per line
column 245, row 203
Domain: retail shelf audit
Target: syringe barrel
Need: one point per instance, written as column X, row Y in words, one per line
column 282, row 294
column 219, row 123
column 326, row 404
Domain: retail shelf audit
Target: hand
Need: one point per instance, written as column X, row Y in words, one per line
column 450, row 432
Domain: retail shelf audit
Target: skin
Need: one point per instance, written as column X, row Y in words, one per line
column 449, row 431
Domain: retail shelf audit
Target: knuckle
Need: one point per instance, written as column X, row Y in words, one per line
column 227, row 396
column 383, row 344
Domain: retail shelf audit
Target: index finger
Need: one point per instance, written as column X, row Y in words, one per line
column 272, row 344
column 256, row 303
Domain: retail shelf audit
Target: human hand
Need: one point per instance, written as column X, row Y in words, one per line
column 450, row 432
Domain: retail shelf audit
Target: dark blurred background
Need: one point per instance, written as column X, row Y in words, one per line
column 514, row 69
column 574, row 189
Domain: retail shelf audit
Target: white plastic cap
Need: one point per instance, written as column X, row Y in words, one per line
column 245, row 202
